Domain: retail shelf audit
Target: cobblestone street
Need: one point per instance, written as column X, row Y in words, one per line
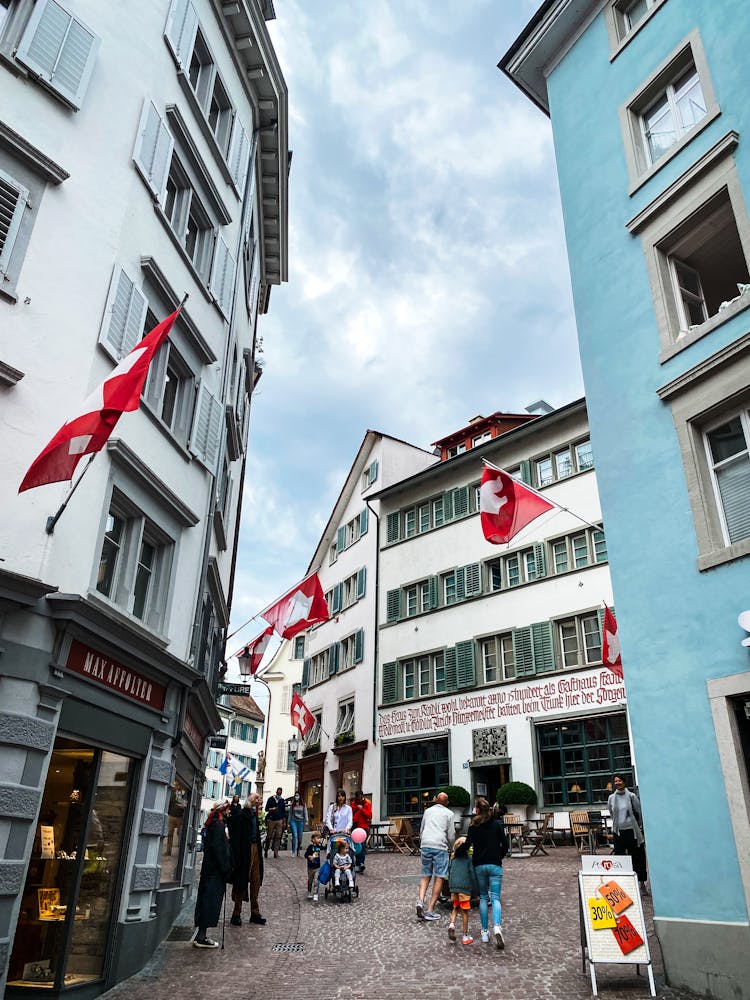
column 376, row 948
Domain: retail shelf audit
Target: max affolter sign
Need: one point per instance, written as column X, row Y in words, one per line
column 95, row 667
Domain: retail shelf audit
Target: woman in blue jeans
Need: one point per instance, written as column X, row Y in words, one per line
column 297, row 820
column 489, row 841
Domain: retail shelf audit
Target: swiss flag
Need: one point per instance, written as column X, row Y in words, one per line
column 506, row 506
column 611, row 644
column 301, row 715
column 301, row 607
column 88, row 432
column 255, row 650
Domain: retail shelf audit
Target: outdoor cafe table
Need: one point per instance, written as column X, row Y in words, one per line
column 376, row 840
column 516, row 830
column 593, row 826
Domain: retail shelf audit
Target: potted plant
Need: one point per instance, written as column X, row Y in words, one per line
column 516, row 796
column 458, row 800
column 343, row 738
column 311, row 748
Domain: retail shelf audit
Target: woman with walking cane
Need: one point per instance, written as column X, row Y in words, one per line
column 215, row 872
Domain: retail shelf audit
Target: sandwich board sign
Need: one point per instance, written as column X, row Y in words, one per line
column 613, row 928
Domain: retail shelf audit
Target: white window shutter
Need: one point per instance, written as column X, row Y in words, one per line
column 59, row 49
column 286, row 698
column 238, row 158
column 179, row 32
column 222, row 276
column 153, row 148
column 124, row 316
column 13, row 200
column 206, row 434
column 281, row 755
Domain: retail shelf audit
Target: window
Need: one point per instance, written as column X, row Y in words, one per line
column 413, row 772
column 481, row 438
column 562, row 463
column 580, row 640
column 313, row 737
column 729, row 462
column 626, row 17
column 424, row 676
column 370, row 475
column 170, row 387
column 299, row 647
column 352, row 650
column 206, row 92
column 188, row 219
column 332, row 555
column 134, row 563
column 57, row 48
column 352, row 531
column 408, row 668
column 319, row 667
column 577, row 758
column 634, row 11
column 697, row 247
column 457, row 449
column 497, row 658
column 345, row 719
column 667, row 111
column 516, row 568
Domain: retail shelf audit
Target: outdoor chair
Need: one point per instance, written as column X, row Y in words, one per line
column 579, row 831
column 395, row 839
column 542, row 835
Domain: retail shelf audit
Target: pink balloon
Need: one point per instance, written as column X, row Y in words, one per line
column 359, row 836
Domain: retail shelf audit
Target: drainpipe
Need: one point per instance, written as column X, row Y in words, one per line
column 376, row 642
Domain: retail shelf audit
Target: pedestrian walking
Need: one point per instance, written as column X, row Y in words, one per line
column 215, row 871
column 462, row 884
column 361, row 820
column 312, row 856
column 489, row 843
column 275, row 821
column 297, row 820
column 435, row 837
column 235, row 806
column 247, row 860
column 338, row 817
column 627, row 826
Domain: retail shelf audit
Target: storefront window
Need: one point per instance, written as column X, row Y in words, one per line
column 64, row 921
column 413, row 774
column 178, row 813
column 313, row 794
column 577, row 758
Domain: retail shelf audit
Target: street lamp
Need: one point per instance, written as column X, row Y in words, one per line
column 244, row 660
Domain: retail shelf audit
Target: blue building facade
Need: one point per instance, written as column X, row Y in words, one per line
column 651, row 119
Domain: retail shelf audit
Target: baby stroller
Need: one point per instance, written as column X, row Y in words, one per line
column 343, row 891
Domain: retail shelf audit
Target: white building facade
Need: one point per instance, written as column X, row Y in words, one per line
column 141, row 159
column 489, row 665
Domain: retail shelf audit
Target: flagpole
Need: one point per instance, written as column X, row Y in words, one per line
column 54, row 518
column 543, row 496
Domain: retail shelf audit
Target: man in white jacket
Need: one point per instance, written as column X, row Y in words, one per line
column 436, row 834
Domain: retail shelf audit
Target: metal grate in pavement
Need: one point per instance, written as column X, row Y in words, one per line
column 181, row 934
column 289, row 946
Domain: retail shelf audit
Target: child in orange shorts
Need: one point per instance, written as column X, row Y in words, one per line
column 462, row 883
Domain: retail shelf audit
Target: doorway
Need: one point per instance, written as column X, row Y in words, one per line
column 64, row 922
column 487, row 778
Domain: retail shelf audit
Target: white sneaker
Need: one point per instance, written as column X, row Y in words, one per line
column 485, row 937
column 315, row 898
column 499, row 939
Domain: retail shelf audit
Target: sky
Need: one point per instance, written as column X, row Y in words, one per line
column 428, row 280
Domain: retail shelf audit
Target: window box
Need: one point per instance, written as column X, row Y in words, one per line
column 310, row 748
column 344, row 738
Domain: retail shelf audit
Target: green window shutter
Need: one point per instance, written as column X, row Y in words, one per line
column 447, row 506
column 526, row 471
column 305, row 674
column 460, row 577
column 473, row 578
column 340, row 540
column 363, row 521
column 393, row 605
column 543, row 646
column 540, row 561
column 373, row 472
column 461, row 501
column 432, row 584
column 466, row 675
column 392, row 526
column 336, row 599
column 390, row 682
column 451, row 677
column 361, row 581
column 333, row 659
column 359, row 646
column 523, row 651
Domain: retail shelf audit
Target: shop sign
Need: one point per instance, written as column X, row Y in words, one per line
column 193, row 733
column 109, row 673
column 558, row 694
column 243, row 690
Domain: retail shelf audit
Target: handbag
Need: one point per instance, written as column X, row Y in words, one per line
column 324, row 874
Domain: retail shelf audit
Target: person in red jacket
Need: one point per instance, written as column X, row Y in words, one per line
column 361, row 818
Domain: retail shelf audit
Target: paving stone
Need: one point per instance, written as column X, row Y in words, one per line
column 375, row 948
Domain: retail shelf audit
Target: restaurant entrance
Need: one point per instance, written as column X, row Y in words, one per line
column 74, row 872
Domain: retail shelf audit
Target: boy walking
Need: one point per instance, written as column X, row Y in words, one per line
column 312, row 856
column 462, row 883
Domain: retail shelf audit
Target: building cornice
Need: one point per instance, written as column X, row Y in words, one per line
column 33, row 157
column 127, row 459
column 19, row 590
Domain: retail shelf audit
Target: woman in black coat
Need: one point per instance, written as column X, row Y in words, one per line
column 215, row 872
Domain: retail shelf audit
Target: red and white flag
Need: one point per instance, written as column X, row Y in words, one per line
column 611, row 656
column 303, row 606
column 506, row 506
column 88, row 432
column 301, row 715
column 256, row 649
